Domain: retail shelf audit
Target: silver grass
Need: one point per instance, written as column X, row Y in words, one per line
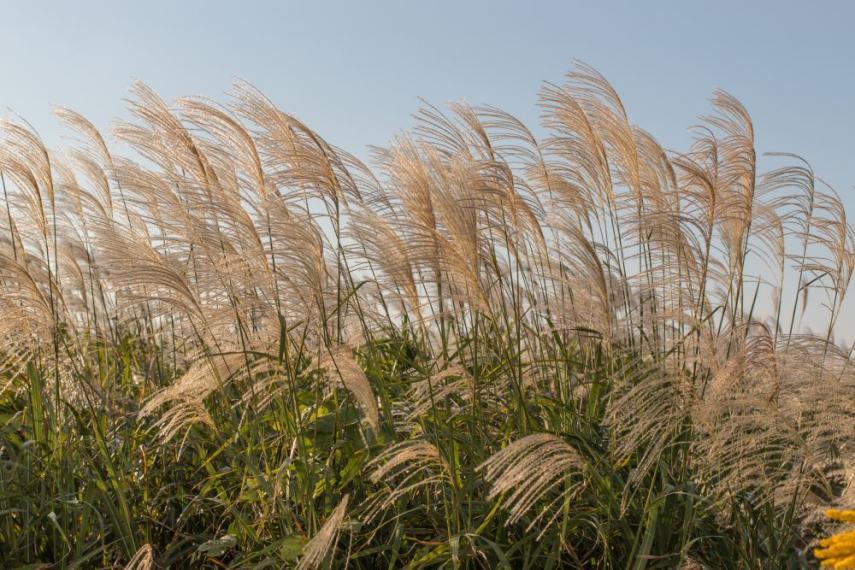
column 143, row 559
column 235, row 228
column 324, row 541
column 530, row 469
column 405, row 468
column 342, row 369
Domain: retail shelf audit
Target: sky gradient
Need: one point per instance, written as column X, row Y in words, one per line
column 354, row 71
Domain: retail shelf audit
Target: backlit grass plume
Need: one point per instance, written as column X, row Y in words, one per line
column 486, row 344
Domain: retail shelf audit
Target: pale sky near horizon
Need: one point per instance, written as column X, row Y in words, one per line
column 354, row 70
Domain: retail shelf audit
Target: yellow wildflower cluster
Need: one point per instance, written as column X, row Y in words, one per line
column 838, row 550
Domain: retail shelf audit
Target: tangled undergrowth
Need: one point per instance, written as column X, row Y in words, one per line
column 242, row 347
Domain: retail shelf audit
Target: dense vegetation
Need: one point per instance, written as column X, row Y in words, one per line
column 242, row 347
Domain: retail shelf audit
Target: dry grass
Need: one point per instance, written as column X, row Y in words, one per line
column 209, row 345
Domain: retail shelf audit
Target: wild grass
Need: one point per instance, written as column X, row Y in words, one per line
column 239, row 346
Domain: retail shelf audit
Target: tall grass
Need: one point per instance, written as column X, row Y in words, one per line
column 242, row 347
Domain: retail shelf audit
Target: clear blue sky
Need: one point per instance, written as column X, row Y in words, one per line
column 354, row 70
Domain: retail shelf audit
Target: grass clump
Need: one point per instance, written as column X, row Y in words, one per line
column 242, row 347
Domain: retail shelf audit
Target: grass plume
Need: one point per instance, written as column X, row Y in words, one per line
column 238, row 345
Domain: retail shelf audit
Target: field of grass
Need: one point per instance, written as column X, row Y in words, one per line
column 234, row 345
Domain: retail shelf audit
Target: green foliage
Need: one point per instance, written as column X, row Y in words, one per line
column 246, row 349
column 252, row 492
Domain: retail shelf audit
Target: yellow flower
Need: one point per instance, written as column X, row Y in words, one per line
column 841, row 515
column 838, row 550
